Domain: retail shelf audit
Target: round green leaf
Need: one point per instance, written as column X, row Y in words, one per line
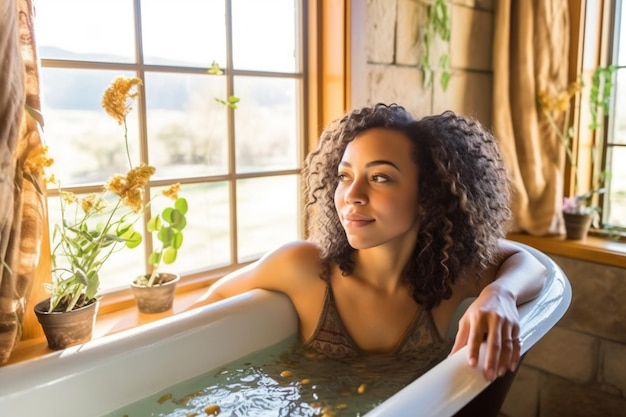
column 169, row 255
column 166, row 235
column 181, row 205
column 154, row 224
column 178, row 240
column 177, row 220
column 154, row 258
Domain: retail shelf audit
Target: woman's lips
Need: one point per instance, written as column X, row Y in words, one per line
column 356, row 220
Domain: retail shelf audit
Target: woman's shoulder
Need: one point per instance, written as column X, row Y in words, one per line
column 299, row 256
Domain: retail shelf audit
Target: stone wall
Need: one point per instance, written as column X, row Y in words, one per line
column 393, row 52
column 579, row 368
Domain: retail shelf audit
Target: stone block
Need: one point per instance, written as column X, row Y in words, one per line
column 614, row 367
column 598, row 294
column 468, row 93
column 565, row 353
column 381, row 31
column 523, row 397
column 411, row 21
column 400, row 85
column 559, row 398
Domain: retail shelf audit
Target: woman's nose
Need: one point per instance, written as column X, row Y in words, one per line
column 356, row 193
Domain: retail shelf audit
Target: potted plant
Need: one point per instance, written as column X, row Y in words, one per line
column 154, row 292
column 579, row 210
column 92, row 229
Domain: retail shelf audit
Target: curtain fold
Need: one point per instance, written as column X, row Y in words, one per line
column 531, row 53
column 22, row 192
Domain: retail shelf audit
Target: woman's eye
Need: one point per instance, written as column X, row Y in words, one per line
column 379, row 178
column 342, row 177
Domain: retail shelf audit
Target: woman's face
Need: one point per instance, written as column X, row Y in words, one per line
column 376, row 195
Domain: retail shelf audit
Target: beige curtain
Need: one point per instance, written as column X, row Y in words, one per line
column 22, row 195
column 530, row 54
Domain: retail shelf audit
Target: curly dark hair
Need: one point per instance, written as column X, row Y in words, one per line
column 463, row 196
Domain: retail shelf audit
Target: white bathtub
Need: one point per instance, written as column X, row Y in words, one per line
column 106, row 374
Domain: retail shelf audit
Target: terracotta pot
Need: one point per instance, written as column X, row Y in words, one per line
column 577, row 225
column 69, row 328
column 157, row 298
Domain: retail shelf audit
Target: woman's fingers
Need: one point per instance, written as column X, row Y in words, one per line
column 501, row 336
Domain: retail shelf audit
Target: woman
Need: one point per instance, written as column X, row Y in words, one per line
column 406, row 220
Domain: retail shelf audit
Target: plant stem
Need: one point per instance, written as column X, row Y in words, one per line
column 566, row 144
column 153, row 274
column 74, row 300
column 130, row 164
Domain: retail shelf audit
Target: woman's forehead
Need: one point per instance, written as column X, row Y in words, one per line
column 379, row 143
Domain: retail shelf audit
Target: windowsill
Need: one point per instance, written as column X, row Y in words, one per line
column 592, row 249
column 116, row 313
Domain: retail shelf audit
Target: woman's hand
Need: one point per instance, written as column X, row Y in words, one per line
column 493, row 317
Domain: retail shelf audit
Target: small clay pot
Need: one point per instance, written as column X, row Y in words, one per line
column 67, row 328
column 157, row 298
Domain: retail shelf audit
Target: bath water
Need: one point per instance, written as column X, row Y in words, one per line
column 282, row 380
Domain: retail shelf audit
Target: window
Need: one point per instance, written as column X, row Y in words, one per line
column 603, row 45
column 238, row 168
column 615, row 204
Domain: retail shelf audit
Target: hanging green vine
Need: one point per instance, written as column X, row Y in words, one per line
column 600, row 93
column 437, row 25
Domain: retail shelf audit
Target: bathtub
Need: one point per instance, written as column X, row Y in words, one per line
column 106, row 374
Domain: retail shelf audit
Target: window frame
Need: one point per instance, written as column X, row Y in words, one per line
column 585, row 56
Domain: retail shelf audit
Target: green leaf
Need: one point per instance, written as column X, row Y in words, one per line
column 154, row 258
column 133, row 239
column 181, row 205
column 177, row 241
column 215, row 69
column 167, row 214
column 81, row 277
column 166, row 235
column 178, row 220
column 154, row 224
column 232, row 101
column 169, row 255
column 445, row 79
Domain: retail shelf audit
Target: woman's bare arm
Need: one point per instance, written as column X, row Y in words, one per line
column 493, row 316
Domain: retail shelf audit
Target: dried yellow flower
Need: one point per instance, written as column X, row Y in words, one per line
column 138, row 177
column 37, row 159
column 117, row 99
column 172, row 191
column 133, row 199
column 116, row 184
column 69, row 197
column 93, row 203
column 130, row 187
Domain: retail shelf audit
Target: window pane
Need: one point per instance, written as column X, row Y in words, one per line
column 621, row 53
column 86, row 143
column 267, row 214
column 618, row 119
column 184, row 33
column 615, row 210
column 266, row 124
column 264, row 44
column 187, row 128
column 94, row 30
column 206, row 241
